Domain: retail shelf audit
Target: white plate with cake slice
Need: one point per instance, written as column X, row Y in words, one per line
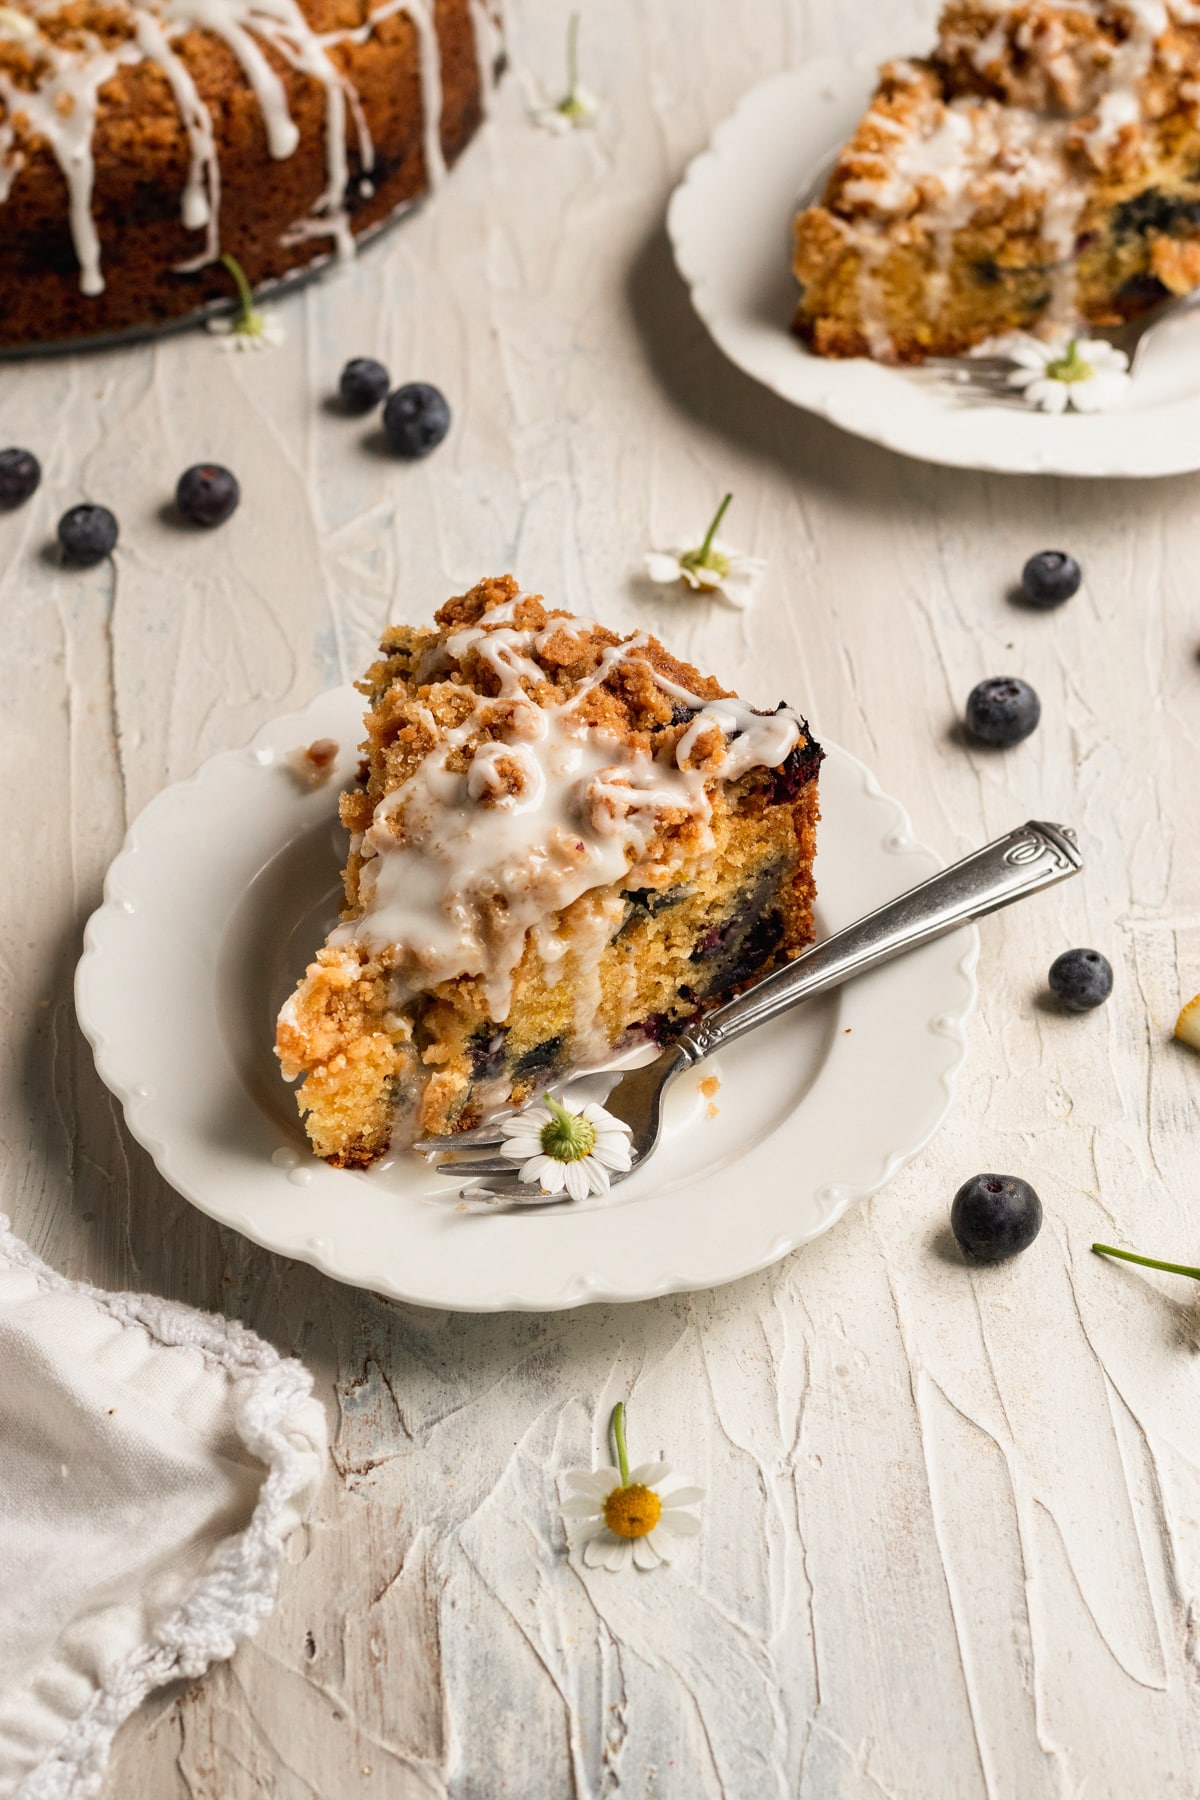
column 229, row 879
column 730, row 224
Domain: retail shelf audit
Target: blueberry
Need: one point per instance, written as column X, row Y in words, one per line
column 995, row 1216
column 1050, row 577
column 1081, row 979
column 207, row 494
column 1002, row 710
column 87, row 534
column 363, row 384
column 416, row 418
column 20, row 472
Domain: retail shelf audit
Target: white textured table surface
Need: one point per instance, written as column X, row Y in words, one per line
column 952, row 1544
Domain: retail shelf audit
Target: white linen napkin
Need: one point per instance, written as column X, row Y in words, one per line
column 152, row 1461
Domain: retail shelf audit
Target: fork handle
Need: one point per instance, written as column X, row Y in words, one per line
column 1032, row 857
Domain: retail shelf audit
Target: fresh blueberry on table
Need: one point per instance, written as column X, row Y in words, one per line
column 207, row 493
column 363, row 384
column 1002, row 710
column 416, row 418
column 20, row 472
column 994, row 1217
column 87, row 534
column 1081, row 979
column 1050, row 577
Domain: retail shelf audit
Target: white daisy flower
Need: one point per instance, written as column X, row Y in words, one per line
column 560, row 1146
column 1085, row 373
column 623, row 1515
column 578, row 106
column 247, row 328
column 712, row 567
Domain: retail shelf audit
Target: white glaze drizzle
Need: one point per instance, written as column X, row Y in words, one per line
column 936, row 163
column 489, row 47
column 457, row 873
column 62, row 107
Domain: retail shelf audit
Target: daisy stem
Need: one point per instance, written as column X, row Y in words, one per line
column 711, row 533
column 245, row 295
column 1147, row 1262
column 618, row 1431
column 572, row 55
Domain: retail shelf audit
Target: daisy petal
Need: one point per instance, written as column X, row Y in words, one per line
column 595, row 1551
column 650, row 1474
column 612, row 1156
column 660, row 1543
column 576, row 1179
column 581, row 1531
column 1033, row 356
column 645, row 1556
column 662, row 566
column 708, row 578
column 600, row 1482
column 604, row 1121
column 597, row 1175
column 581, row 1506
column 548, row 1172
column 620, row 1555
column 683, row 1524
column 684, row 1496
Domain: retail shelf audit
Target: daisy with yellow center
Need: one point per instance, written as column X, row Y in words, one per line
column 709, row 567
column 623, row 1515
column 561, row 1147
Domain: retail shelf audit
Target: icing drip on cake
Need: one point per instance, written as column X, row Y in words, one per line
column 1073, row 77
column 467, row 858
column 61, row 106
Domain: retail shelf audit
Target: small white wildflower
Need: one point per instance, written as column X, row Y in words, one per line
column 247, row 328
column 623, row 1516
column 712, row 567
column 578, row 106
column 1085, row 373
column 560, row 1147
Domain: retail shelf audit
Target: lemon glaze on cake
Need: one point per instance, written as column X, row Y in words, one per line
column 141, row 138
column 1041, row 170
column 564, row 844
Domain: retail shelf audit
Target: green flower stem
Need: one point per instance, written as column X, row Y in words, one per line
column 245, row 294
column 572, row 56
column 568, row 1137
column 705, row 549
column 1147, row 1262
column 618, row 1432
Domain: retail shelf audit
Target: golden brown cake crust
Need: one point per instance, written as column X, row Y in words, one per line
column 1040, row 170
column 669, row 861
column 141, row 153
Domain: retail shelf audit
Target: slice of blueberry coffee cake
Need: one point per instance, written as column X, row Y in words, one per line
column 563, row 844
column 1040, row 170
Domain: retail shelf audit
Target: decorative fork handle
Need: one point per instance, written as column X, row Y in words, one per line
column 1031, row 857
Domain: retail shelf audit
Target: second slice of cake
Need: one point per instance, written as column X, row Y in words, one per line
column 564, row 844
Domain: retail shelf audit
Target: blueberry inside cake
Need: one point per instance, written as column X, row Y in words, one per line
column 563, row 844
column 1039, row 171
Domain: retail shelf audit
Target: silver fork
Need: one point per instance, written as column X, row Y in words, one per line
column 1032, row 857
column 987, row 377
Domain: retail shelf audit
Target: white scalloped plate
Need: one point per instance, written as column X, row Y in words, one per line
column 225, row 886
column 730, row 227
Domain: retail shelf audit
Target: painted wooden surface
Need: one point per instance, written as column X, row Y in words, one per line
column 952, row 1542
